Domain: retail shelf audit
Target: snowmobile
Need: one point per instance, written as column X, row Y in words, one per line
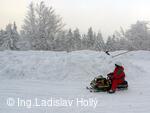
column 101, row 84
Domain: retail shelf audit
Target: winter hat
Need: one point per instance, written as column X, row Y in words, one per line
column 118, row 63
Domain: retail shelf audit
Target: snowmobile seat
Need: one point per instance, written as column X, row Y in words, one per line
column 123, row 85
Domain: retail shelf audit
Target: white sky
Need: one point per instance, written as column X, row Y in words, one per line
column 103, row 15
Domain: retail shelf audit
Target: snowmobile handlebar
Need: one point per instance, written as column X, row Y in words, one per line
column 110, row 76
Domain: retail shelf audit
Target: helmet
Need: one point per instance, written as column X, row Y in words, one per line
column 118, row 63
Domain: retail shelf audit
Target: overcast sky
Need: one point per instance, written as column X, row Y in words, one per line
column 103, row 15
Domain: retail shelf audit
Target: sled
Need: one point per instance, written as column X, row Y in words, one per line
column 101, row 84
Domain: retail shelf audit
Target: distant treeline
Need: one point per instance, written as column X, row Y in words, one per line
column 43, row 29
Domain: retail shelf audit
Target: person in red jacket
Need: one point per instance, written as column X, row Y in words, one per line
column 118, row 77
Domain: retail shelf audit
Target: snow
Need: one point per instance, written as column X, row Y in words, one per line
column 44, row 75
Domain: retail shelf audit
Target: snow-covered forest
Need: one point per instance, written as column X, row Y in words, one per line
column 43, row 29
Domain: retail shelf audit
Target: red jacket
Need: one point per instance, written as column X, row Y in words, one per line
column 119, row 73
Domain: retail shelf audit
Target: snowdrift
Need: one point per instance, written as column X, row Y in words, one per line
column 78, row 65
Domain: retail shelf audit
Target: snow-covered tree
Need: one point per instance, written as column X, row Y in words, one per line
column 15, row 37
column 76, row 39
column 90, row 38
column 41, row 26
column 2, row 32
column 60, row 41
column 9, row 38
column 109, row 44
column 99, row 43
column 69, row 41
column 84, row 43
column 121, row 40
column 138, row 36
column 29, row 31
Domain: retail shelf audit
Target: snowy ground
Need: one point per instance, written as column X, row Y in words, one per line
column 45, row 75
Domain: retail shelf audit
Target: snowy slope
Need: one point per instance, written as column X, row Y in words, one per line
column 42, row 75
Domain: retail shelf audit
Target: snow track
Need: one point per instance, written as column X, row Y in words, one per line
column 29, row 75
